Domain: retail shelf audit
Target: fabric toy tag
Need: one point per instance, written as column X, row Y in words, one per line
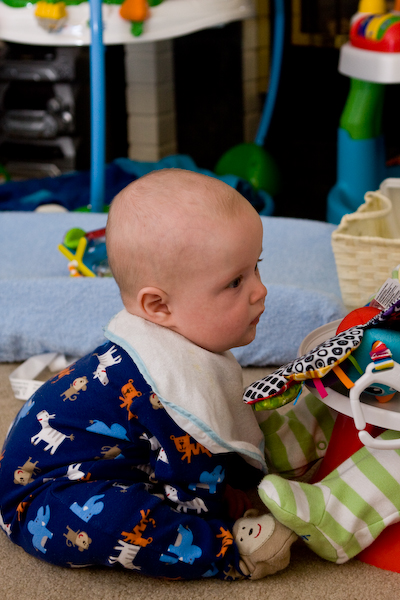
column 387, row 294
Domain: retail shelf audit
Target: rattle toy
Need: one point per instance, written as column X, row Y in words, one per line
column 86, row 252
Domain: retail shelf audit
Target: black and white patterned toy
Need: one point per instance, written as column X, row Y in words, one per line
column 284, row 384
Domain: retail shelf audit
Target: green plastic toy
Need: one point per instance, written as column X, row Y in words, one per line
column 251, row 161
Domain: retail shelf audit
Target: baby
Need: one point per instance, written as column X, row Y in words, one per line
column 134, row 454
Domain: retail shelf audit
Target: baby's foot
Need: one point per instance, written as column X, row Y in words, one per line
column 263, row 544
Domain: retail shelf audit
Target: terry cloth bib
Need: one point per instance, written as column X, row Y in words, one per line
column 200, row 390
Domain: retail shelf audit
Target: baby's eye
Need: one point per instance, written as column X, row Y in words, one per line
column 236, row 282
column 256, row 267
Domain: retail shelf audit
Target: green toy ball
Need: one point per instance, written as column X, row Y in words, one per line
column 252, row 163
column 73, row 237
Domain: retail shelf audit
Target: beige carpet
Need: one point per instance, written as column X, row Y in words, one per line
column 23, row 577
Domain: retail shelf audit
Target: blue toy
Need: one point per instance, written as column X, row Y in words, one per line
column 97, row 108
column 363, row 355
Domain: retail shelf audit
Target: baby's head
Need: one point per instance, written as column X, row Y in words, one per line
column 183, row 248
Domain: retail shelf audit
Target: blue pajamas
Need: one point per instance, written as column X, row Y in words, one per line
column 95, row 472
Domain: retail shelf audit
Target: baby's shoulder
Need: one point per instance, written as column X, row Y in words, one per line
column 106, row 373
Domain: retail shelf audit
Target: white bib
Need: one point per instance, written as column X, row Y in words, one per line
column 200, row 390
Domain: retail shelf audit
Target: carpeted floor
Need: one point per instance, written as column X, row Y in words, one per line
column 308, row 577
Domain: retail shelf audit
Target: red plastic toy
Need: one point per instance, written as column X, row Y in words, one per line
column 380, row 33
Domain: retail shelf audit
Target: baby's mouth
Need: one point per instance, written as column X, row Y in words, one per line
column 257, row 319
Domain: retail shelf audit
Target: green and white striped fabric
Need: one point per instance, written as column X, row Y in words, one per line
column 296, row 436
column 345, row 512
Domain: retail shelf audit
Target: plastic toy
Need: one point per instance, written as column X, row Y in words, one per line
column 137, row 11
column 385, row 550
column 371, row 59
column 175, row 18
column 4, row 174
column 251, row 161
column 322, row 366
column 361, row 357
column 349, row 434
column 97, row 108
column 380, row 33
column 52, row 16
column 86, row 252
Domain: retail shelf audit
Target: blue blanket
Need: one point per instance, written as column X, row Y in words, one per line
column 72, row 190
column 43, row 309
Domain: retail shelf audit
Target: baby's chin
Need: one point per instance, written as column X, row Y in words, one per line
column 250, row 338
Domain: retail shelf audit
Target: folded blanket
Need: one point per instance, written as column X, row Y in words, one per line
column 43, row 309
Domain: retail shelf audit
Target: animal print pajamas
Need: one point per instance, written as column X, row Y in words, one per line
column 94, row 471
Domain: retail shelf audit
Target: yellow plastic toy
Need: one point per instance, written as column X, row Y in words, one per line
column 75, row 239
column 52, row 16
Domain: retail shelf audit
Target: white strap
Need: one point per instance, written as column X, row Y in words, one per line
column 23, row 378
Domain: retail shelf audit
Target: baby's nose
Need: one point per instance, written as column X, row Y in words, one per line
column 259, row 293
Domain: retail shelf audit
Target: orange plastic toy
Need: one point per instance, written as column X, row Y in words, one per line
column 134, row 10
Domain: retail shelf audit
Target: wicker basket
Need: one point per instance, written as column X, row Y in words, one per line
column 366, row 246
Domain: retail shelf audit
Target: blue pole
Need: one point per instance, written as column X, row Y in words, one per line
column 276, row 64
column 97, row 108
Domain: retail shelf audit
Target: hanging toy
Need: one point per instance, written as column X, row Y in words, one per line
column 137, row 11
column 52, row 16
column 385, row 372
column 382, row 360
column 330, row 358
column 249, row 160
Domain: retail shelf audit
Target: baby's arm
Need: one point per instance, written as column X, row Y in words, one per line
column 189, row 474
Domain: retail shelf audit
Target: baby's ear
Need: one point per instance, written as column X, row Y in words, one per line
column 154, row 303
